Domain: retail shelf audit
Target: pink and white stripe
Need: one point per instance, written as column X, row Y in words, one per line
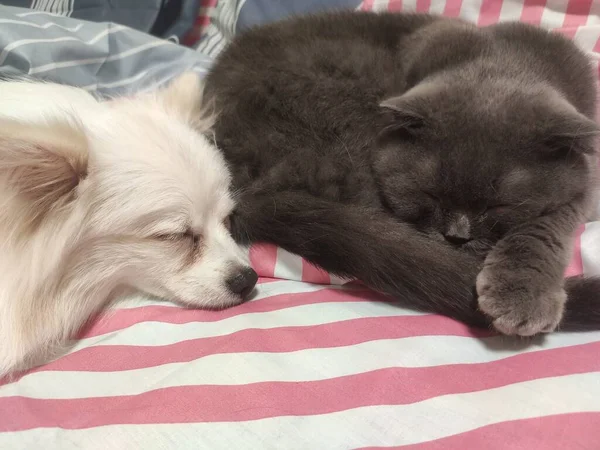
column 316, row 363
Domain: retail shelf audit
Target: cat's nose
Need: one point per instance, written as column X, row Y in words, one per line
column 242, row 282
column 456, row 240
column 459, row 229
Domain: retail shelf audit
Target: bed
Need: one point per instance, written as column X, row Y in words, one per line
column 310, row 362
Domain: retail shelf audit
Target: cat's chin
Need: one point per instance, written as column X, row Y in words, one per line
column 477, row 247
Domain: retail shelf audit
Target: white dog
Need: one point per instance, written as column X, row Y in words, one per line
column 101, row 197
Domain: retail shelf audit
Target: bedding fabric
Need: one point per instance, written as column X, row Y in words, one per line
column 106, row 57
column 309, row 363
column 166, row 18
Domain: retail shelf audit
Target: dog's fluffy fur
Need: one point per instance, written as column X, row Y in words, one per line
column 101, row 197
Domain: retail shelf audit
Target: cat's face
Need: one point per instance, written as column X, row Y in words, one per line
column 468, row 166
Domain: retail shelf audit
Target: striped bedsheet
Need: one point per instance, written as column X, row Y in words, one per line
column 311, row 362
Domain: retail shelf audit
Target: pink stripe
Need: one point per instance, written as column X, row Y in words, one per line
column 576, row 266
column 263, row 258
column 123, row 318
column 201, row 21
column 110, row 358
column 532, row 11
column 210, row 403
column 367, row 5
column 576, row 15
column 596, row 49
column 559, row 432
column 312, row 274
column 597, row 46
column 205, row 7
column 395, row 5
column 452, row 8
column 423, row 6
column 489, row 12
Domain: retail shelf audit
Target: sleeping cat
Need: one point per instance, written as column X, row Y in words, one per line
column 444, row 165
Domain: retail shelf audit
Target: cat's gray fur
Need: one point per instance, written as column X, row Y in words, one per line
column 421, row 155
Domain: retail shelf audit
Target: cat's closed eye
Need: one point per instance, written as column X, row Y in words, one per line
column 497, row 209
column 432, row 196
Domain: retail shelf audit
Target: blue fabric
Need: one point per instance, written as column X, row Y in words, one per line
column 140, row 15
column 256, row 12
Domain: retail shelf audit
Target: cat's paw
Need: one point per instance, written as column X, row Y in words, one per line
column 518, row 306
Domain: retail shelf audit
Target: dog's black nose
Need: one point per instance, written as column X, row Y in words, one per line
column 242, row 282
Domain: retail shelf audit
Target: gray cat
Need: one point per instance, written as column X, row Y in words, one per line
column 445, row 165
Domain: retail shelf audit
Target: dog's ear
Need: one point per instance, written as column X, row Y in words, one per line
column 184, row 97
column 41, row 165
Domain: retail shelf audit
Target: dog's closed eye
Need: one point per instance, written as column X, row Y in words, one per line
column 187, row 235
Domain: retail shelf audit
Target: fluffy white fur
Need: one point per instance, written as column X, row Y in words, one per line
column 101, row 197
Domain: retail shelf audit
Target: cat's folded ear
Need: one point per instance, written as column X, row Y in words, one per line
column 571, row 132
column 407, row 113
column 401, row 114
column 566, row 131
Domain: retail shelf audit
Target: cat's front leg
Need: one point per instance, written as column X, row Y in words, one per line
column 521, row 284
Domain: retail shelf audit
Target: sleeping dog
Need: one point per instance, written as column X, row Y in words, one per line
column 97, row 198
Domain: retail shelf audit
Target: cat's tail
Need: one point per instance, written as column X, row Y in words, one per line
column 583, row 304
column 357, row 242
